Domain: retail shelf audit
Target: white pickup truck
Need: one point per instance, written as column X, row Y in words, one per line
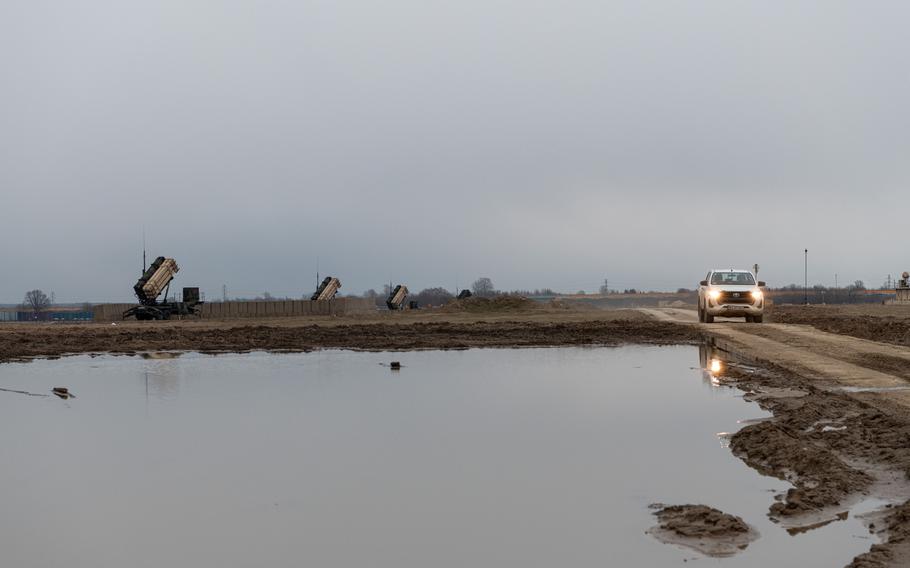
column 730, row 293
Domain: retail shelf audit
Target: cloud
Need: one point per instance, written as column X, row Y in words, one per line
column 430, row 142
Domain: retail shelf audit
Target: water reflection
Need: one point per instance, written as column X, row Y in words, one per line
column 157, row 355
column 161, row 378
column 713, row 363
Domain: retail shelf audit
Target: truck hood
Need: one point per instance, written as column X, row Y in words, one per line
column 733, row 287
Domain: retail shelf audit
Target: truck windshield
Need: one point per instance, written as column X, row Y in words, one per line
column 736, row 278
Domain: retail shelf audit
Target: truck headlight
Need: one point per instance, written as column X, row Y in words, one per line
column 756, row 294
column 714, row 294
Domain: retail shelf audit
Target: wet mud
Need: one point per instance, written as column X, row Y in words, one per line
column 833, row 447
column 702, row 528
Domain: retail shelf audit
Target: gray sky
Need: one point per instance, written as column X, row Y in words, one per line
column 537, row 143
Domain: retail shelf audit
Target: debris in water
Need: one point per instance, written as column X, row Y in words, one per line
column 395, row 365
column 62, row 392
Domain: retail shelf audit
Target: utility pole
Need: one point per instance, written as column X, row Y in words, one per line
column 806, row 276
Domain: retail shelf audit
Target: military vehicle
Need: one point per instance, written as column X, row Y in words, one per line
column 326, row 290
column 157, row 280
column 397, row 297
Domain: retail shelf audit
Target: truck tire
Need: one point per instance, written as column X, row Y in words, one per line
column 701, row 315
column 750, row 319
column 758, row 319
column 708, row 317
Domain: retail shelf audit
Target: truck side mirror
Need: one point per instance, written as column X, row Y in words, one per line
column 761, row 284
column 703, row 283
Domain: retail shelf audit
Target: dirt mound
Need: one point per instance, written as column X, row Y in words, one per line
column 496, row 304
column 702, row 528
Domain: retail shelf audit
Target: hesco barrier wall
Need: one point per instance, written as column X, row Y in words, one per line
column 234, row 310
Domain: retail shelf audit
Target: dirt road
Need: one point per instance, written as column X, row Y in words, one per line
column 828, row 358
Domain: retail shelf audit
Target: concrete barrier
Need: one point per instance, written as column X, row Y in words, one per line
column 109, row 312
column 257, row 309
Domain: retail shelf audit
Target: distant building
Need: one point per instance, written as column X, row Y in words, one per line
column 54, row 314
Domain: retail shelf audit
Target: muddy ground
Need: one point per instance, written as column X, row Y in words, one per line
column 832, row 444
column 833, row 447
column 422, row 331
column 875, row 322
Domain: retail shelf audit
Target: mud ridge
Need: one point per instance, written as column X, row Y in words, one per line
column 46, row 341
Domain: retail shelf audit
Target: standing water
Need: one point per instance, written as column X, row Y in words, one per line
column 506, row 457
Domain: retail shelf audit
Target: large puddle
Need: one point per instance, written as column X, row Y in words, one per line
column 506, row 457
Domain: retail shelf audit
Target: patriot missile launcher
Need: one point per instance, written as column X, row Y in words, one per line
column 326, row 290
column 397, row 297
column 157, row 280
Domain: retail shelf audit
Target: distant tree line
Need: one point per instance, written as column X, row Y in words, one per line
column 483, row 287
column 854, row 293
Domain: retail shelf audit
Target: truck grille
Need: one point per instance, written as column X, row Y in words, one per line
column 735, row 298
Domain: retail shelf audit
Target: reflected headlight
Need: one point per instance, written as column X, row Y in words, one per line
column 714, row 294
column 716, row 366
column 756, row 294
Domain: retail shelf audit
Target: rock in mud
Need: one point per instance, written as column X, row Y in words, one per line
column 702, row 528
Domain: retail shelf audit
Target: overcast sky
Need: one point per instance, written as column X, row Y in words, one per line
column 537, row 143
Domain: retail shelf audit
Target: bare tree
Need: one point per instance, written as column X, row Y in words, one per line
column 36, row 301
column 433, row 296
column 374, row 296
column 483, row 287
